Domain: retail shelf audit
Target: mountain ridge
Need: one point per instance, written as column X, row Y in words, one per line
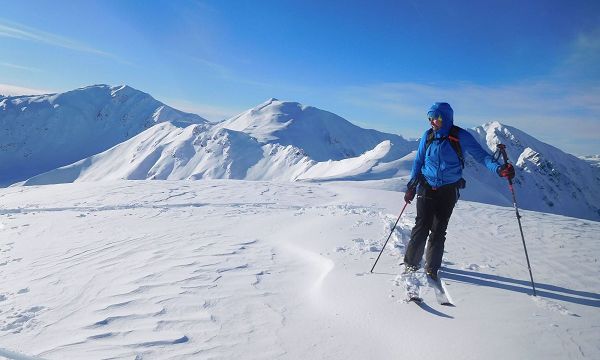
column 288, row 141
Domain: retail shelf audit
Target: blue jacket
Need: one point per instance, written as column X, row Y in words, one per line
column 439, row 163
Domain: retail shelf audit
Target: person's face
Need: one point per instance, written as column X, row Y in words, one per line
column 436, row 123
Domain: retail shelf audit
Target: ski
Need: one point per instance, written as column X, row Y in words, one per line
column 412, row 286
column 441, row 294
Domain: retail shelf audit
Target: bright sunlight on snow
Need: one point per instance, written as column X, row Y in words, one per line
column 223, row 269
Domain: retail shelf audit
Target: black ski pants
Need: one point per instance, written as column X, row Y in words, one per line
column 434, row 208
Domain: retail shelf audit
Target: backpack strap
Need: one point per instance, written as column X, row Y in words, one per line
column 454, row 142
column 429, row 138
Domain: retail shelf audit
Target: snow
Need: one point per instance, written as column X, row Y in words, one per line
column 258, row 239
column 225, row 269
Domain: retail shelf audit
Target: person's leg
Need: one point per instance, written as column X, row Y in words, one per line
column 418, row 237
column 444, row 203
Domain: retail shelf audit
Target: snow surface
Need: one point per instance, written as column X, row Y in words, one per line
column 222, row 269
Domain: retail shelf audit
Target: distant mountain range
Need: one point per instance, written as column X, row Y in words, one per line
column 103, row 133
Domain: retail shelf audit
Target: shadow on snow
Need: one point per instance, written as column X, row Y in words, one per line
column 523, row 286
column 433, row 311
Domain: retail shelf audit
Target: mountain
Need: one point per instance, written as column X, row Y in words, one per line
column 287, row 141
column 321, row 134
column 43, row 132
column 176, row 151
column 274, row 141
column 548, row 179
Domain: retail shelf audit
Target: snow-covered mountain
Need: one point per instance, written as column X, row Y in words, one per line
column 321, row 134
column 43, row 132
column 175, row 151
column 548, row 179
column 286, row 141
column 274, row 141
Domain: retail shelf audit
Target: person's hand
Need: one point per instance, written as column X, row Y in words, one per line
column 409, row 195
column 507, row 171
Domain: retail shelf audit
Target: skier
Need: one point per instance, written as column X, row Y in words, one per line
column 436, row 178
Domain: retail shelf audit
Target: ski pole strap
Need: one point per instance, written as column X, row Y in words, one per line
column 502, row 151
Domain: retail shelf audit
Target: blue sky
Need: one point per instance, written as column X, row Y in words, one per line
column 380, row 64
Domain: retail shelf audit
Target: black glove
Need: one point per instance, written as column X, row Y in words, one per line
column 409, row 195
column 507, row 171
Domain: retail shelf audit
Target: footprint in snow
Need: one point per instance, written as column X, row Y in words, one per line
column 553, row 306
column 21, row 319
column 473, row 267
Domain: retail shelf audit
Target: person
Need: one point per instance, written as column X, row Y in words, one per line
column 436, row 178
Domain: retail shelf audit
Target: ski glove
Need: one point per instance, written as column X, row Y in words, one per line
column 409, row 195
column 507, row 171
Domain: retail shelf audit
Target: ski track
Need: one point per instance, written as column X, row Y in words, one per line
column 224, row 269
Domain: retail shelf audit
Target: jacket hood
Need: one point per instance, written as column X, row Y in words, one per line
column 443, row 109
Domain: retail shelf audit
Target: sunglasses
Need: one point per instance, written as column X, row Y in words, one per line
column 438, row 119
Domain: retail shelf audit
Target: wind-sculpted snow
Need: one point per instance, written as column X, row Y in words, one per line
column 262, row 270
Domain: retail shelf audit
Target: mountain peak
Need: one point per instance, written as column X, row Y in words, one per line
column 494, row 125
column 269, row 102
column 122, row 88
column 323, row 135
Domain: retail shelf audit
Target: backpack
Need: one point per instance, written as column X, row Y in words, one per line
column 454, row 142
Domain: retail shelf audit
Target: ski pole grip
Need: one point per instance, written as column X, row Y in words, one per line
column 502, row 149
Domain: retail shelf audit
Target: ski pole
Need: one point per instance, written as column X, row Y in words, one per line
column 389, row 236
column 502, row 150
